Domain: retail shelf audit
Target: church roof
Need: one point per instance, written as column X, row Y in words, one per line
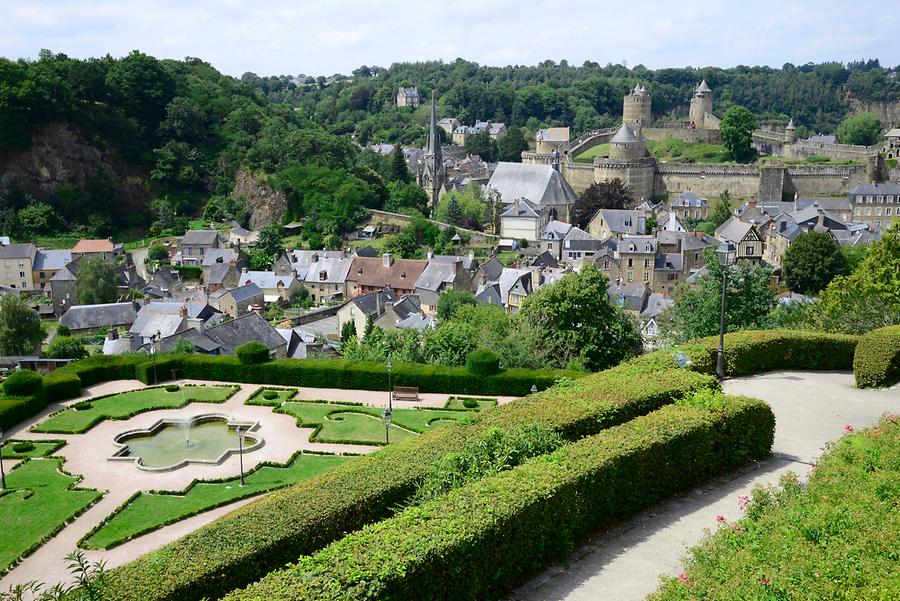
column 624, row 135
column 540, row 184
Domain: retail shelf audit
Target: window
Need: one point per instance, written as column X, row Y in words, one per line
column 648, row 247
column 630, row 262
column 646, row 276
column 887, row 210
column 630, row 276
column 21, row 274
column 858, row 210
column 749, row 250
column 632, row 247
column 878, row 211
column 868, row 210
column 696, row 256
column 646, row 263
column 606, row 262
column 869, row 198
column 42, row 275
column 202, row 251
column 880, row 199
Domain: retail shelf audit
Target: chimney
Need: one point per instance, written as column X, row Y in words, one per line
column 112, row 334
column 430, row 254
column 243, row 270
column 821, row 219
column 182, row 311
column 378, row 304
column 387, row 260
column 294, row 272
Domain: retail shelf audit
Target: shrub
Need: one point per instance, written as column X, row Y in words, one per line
column 14, row 410
column 483, row 362
column 24, row 383
column 172, row 387
column 470, row 403
column 253, row 540
column 519, row 518
column 252, row 353
column 66, row 347
column 22, row 447
column 60, row 385
column 270, row 395
column 82, row 405
column 876, row 362
column 63, row 330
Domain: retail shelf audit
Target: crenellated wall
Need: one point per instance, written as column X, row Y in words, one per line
column 579, row 175
column 706, row 180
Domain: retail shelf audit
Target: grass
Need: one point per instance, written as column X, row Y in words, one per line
column 41, row 499
column 41, row 449
column 148, row 511
column 282, row 395
column 127, row 404
column 356, row 424
column 456, row 402
column 588, row 156
column 376, row 243
column 678, row 150
column 835, row 538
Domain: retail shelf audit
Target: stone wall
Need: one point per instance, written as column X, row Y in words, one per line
column 579, row 175
column 266, row 205
column 837, row 152
column 823, row 180
column 707, row 180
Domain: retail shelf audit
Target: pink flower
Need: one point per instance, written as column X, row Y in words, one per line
column 764, row 581
column 721, row 518
column 848, row 428
column 683, row 578
column 742, row 501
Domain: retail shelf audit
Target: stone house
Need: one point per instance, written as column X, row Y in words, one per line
column 747, row 240
column 17, row 266
column 552, row 237
column 542, row 185
column 637, row 256
column 104, row 249
column 579, row 247
column 325, row 276
column 688, row 205
column 372, row 274
column 47, row 264
column 522, row 220
column 443, row 273
column 550, row 139
column 238, row 301
column 876, row 204
column 83, row 319
column 614, row 223
column 408, row 97
column 225, row 337
column 193, row 246
column 449, row 124
column 360, row 309
column 276, row 288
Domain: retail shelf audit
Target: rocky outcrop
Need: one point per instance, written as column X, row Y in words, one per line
column 887, row 112
column 60, row 156
column 266, row 205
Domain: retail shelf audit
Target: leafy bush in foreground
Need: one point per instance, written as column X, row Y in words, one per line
column 876, row 362
column 835, row 538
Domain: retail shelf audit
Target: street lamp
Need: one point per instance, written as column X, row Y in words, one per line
column 240, row 433
column 386, row 416
column 390, row 369
column 534, row 389
column 153, row 340
column 2, row 473
column 725, row 253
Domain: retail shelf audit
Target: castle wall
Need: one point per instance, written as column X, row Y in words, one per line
column 637, row 175
column 823, row 180
column 707, row 136
column 838, row 152
column 579, row 175
column 707, row 180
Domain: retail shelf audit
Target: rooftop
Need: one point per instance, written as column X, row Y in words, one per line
column 94, row 246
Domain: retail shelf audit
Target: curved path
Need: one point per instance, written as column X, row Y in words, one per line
column 625, row 562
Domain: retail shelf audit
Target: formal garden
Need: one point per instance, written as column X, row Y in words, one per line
column 355, row 503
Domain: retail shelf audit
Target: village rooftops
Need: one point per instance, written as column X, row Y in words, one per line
column 92, row 317
column 18, row 251
column 539, row 184
column 386, row 271
column 733, row 230
column 200, row 238
column 94, row 246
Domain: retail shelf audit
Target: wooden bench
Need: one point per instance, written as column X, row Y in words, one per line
column 406, row 393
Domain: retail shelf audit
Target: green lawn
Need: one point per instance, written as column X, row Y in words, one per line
column 282, row 395
column 376, row 243
column 678, row 150
column 363, row 425
column 41, row 449
column 127, row 404
column 148, row 511
column 456, row 402
column 588, row 156
column 40, row 501
column 835, row 538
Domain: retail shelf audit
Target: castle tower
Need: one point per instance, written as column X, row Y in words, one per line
column 701, row 104
column 628, row 162
column 790, row 133
column 433, row 174
column 636, row 108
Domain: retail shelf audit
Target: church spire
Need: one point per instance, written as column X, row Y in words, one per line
column 434, row 139
column 433, row 176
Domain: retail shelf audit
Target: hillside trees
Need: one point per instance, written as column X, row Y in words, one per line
column 96, row 283
column 864, row 129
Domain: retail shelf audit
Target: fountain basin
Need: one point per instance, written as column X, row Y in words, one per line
column 170, row 443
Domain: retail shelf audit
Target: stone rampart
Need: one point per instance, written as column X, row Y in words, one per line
column 579, row 175
column 706, row 180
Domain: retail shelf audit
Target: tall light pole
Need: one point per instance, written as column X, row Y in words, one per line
column 2, row 473
column 240, row 433
column 388, row 414
column 725, row 253
column 153, row 340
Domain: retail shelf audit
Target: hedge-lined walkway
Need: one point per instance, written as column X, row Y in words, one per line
column 811, row 409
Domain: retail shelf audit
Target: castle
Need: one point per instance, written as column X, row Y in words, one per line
column 629, row 161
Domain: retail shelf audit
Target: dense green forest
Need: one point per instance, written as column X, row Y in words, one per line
column 183, row 129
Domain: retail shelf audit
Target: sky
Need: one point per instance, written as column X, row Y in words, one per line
column 315, row 37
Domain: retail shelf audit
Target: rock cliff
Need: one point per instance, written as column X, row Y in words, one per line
column 266, row 205
column 887, row 112
column 60, row 156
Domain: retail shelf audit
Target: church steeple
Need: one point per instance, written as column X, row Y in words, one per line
column 433, row 175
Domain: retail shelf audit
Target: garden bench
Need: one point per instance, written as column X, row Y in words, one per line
column 406, row 393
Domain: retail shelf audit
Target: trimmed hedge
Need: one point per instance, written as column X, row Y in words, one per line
column 258, row 538
column 24, row 383
column 60, row 385
column 14, row 410
column 363, row 375
column 876, row 363
column 252, row 353
column 479, row 540
column 483, row 362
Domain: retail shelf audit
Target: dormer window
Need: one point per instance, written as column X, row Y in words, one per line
column 322, row 275
column 403, row 275
column 632, row 247
column 648, row 248
column 359, row 271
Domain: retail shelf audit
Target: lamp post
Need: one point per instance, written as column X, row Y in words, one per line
column 386, row 416
column 153, row 340
column 240, row 433
column 390, row 369
column 2, row 473
column 725, row 254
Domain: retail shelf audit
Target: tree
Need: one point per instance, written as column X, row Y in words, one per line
column 721, row 209
column 812, row 261
column 511, row 146
column 450, row 301
column 482, row 145
column 608, row 194
column 142, row 87
column 471, row 205
column 574, row 323
column 399, row 169
column 38, row 218
column 405, row 197
column 20, row 327
column 453, row 213
column 96, row 282
column 736, row 129
column 348, row 332
column 695, row 314
column 260, row 260
column 66, row 347
column 270, row 240
column 864, row 129
column 158, row 253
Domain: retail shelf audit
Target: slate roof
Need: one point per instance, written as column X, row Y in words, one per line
column 623, row 221
column 492, row 268
column 196, row 309
column 418, row 322
column 669, row 262
column 521, row 208
column 632, row 296
column 267, row 280
column 401, row 274
column 218, row 272
column 578, row 239
column 18, row 251
column 89, row 317
column 624, row 135
column 198, row 339
column 540, row 184
column 545, row 259
column 829, row 204
column 367, row 251
column 733, row 230
column 335, row 270
column 468, row 261
column 508, row 280
column 370, row 303
column 407, row 306
column 689, row 200
column 703, row 87
column 655, row 304
column 245, row 292
column 200, row 237
column 219, row 255
column 49, row 260
column 640, row 244
column 875, row 189
column 234, row 333
column 435, row 275
column 555, row 230
column 489, row 294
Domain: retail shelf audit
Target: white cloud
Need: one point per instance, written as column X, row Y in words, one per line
column 328, row 36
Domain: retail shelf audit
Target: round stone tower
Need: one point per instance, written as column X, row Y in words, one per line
column 636, row 108
column 701, row 104
column 628, row 162
column 790, row 133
